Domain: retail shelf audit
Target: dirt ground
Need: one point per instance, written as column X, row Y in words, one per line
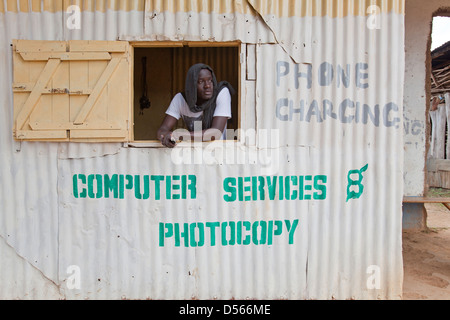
column 426, row 257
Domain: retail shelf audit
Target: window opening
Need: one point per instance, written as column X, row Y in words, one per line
column 164, row 76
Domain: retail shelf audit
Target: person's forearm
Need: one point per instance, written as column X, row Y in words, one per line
column 166, row 138
column 162, row 132
column 206, row 135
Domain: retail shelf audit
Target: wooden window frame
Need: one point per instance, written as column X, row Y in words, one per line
column 178, row 44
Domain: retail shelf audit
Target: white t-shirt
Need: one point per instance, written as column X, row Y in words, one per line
column 179, row 108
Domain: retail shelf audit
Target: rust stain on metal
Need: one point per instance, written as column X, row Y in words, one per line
column 78, row 92
column 59, row 90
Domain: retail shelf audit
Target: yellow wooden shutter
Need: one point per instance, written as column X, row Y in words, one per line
column 72, row 91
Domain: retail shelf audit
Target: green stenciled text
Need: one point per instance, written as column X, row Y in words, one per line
column 143, row 187
column 227, row 233
column 253, row 188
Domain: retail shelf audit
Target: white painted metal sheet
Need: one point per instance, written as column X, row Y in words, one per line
column 205, row 21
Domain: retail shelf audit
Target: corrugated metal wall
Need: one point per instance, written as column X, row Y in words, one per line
column 115, row 243
column 29, row 191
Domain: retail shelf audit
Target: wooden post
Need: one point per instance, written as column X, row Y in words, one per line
column 447, row 109
column 438, row 121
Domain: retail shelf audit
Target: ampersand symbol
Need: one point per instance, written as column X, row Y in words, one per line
column 353, row 194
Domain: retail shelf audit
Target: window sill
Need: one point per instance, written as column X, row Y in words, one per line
column 157, row 144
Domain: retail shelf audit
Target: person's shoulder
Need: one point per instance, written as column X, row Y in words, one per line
column 224, row 92
column 225, row 89
column 178, row 96
column 178, row 99
column 177, row 105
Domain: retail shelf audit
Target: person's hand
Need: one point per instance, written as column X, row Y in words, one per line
column 178, row 135
column 168, row 140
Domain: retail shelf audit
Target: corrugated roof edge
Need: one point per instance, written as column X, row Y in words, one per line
column 283, row 8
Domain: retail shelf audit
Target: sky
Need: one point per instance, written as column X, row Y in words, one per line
column 441, row 31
